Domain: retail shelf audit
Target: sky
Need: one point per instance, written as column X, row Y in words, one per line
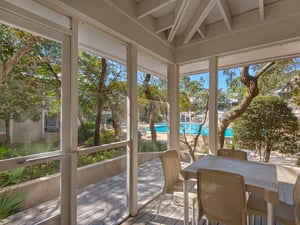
column 221, row 79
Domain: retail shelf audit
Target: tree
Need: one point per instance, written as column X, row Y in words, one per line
column 152, row 110
column 193, row 97
column 251, row 83
column 192, row 147
column 93, row 72
column 102, row 87
column 14, row 45
column 279, row 78
column 116, row 98
column 267, row 123
column 151, row 100
column 29, row 68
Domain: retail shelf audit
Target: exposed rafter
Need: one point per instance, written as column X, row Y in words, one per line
column 164, row 22
column 261, row 10
column 179, row 13
column 147, row 7
column 200, row 14
column 177, row 22
column 223, row 7
column 201, row 31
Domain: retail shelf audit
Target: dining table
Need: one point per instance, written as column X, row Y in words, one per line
column 260, row 178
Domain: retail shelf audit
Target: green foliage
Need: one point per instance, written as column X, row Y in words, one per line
column 33, row 82
column 23, row 174
column 269, row 123
column 106, row 137
column 298, row 162
column 40, row 170
column 10, row 203
column 149, row 146
column 6, row 152
column 90, row 126
column 11, row 177
column 100, row 156
column 158, row 91
column 204, row 151
column 193, row 95
column 287, row 146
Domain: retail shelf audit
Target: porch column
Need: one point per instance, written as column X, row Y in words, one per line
column 69, row 127
column 213, row 105
column 173, row 106
column 132, row 149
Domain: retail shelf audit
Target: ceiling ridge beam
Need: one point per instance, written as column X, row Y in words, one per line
column 147, row 7
column 179, row 13
column 200, row 14
column 223, row 7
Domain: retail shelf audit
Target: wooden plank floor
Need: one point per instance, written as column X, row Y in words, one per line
column 104, row 203
column 100, row 203
column 171, row 213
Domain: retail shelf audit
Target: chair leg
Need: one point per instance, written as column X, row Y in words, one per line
column 193, row 213
column 159, row 204
column 250, row 220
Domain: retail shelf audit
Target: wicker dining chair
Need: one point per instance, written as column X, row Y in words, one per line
column 173, row 182
column 284, row 213
column 237, row 154
column 221, row 197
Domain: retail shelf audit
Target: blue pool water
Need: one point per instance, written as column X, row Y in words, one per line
column 190, row 128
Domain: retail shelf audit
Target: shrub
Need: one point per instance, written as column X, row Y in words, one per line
column 100, row 156
column 298, row 162
column 10, row 203
column 149, row 146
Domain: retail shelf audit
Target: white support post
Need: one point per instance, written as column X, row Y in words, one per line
column 68, row 135
column 173, row 106
column 213, row 105
column 132, row 149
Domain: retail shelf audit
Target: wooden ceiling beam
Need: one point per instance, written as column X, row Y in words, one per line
column 223, row 7
column 201, row 31
column 147, row 7
column 261, row 9
column 164, row 22
column 200, row 14
column 179, row 13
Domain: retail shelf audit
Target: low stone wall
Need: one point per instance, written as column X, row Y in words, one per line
column 47, row 188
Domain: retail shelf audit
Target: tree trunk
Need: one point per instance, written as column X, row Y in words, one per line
column 117, row 129
column 268, row 152
column 5, row 68
column 192, row 148
column 251, row 83
column 84, row 129
column 100, row 101
column 7, row 132
column 152, row 107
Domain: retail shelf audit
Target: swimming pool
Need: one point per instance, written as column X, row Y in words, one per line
column 189, row 128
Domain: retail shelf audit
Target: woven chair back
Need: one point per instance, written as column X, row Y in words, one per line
column 221, row 197
column 171, row 168
column 237, row 154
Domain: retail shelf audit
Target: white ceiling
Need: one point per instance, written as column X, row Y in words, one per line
column 184, row 21
column 185, row 32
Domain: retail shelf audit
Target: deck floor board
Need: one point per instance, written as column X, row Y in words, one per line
column 104, row 203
